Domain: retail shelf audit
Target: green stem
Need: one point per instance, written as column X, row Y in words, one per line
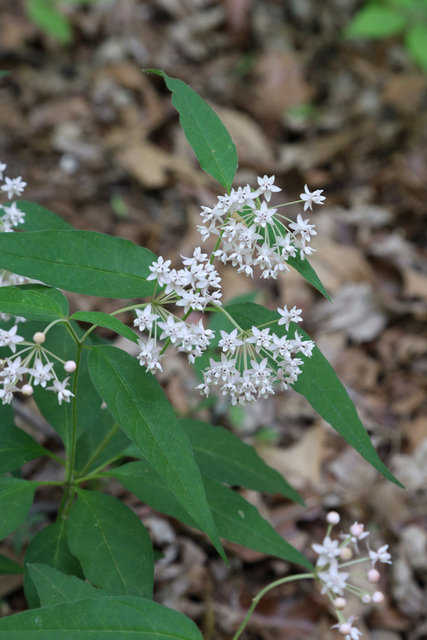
column 262, row 593
column 71, row 449
column 56, row 458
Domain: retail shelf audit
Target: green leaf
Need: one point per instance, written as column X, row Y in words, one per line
column 60, row 417
column 235, row 518
column 101, row 444
column 54, row 587
column 80, row 261
column 16, row 498
column 376, row 21
column 49, row 547
column 34, row 302
column 305, row 269
column 9, row 567
column 416, row 42
column 44, row 15
column 17, row 448
column 118, row 618
column 319, row 384
column 208, row 137
column 37, row 218
column 107, row 321
column 224, row 457
column 140, row 406
column 112, row 544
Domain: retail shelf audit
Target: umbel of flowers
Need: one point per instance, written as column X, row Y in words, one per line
column 253, row 363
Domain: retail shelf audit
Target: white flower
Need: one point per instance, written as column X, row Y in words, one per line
column 150, row 355
column 262, row 339
column 302, row 227
column 264, row 215
column 2, row 168
column 13, row 215
column 347, row 630
column 381, row 555
column 171, row 329
column 289, row 316
column 311, row 197
column 229, row 341
column 145, row 318
column 159, row 271
column 6, row 394
column 60, row 388
column 266, row 186
column 13, row 186
column 334, row 580
column 13, row 371
column 42, row 373
column 327, row 550
column 9, row 338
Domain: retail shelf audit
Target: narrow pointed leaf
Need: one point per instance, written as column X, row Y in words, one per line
column 107, row 321
column 9, row 567
column 16, row 498
column 85, row 262
column 34, row 302
column 235, row 518
column 54, row 587
column 138, row 403
column 305, row 269
column 208, row 137
column 38, row 218
column 118, row 618
column 319, row 384
column 112, row 545
column 49, row 547
column 224, row 457
column 17, row 448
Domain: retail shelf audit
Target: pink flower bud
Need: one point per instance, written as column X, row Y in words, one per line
column 378, row 597
column 344, row 629
column 366, row 598
column 357, row 529
column 39, row 337
column 70, row 366
column 346, row 554
column 27, row 390
column 340, row 603
column 373, row 576
column 333, row 517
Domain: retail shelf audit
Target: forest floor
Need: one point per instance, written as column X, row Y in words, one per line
column 99, row 143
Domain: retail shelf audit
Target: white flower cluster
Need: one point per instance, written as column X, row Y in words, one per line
column 252, row 234
column 10, row 217
column 34, row 365
column 335, row 581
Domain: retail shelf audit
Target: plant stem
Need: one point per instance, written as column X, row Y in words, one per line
column 300, row 576
column 100, row 448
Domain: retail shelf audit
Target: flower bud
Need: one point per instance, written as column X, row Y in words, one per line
column 340, row 603
column 70, row 366
column 344, row 629
column 27, row 390
column 357, row 529
column 39, row 337
column 373, row 576
column 366, row 598
column 378, row 597
column 333, row 517
column 346, row 554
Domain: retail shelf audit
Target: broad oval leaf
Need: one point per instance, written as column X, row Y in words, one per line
column 112, row 545
column 9, row 567
column 116, row 617
column 208, row 137
column 16, row 498
column 85, row 262
column 107, row 321
column 225, row 458
column 38, row 218
column 49, row 547
column 376, row 21
column 236, row 519
column 138, row 403
column 319, row 384
column 17, row 448
column 416, row 43
column 34, row 302
column 54, row 587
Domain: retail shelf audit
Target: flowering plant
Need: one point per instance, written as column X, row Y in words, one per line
column 92, row 569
